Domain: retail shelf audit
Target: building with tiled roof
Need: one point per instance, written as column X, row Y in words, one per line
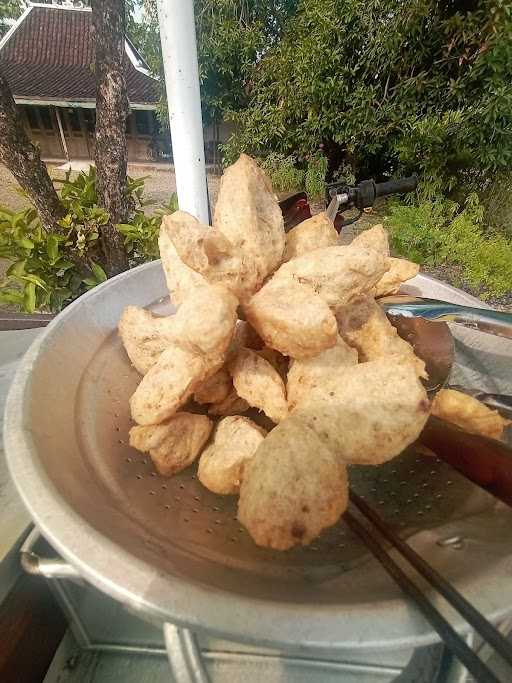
column 47, row 58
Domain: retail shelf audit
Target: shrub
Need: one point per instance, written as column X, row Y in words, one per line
column 287, row 174
column 388, row 87
column 283, row 172
column 315, row 176
column 440, row 231
column 49, row 270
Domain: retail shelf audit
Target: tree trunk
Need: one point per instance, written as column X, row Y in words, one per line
column 111, row 113
column 23, row 160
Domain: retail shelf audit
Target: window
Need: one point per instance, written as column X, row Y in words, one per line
column 90, row 119
column 46, row 117
column 32, row 118
column 142, row 122
column 73, row 120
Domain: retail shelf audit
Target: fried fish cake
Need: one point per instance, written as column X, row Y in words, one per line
column 292, row 488
column 276, row 360
column 468, row 413
column 145, row 336
column 292, row 319
column 400, row 270
column 368, row 413
column 233, row 404
column 204, row 250
column 259, row 383
column 216, row 389
column 313, row 233
column 206, row 322
column 182, row 280
column 374, row 238
column 335, row 274
column 169, row 384
column 305, row 375
column 222, row 463
column 174, row 444
column 248, row 215
column 364, row 325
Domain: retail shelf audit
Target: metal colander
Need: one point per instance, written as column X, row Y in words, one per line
column 174, row 551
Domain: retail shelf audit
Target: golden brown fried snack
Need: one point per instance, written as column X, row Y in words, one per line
column 468, row 413
column 292, row 319
column 364, row 325
column 336, row 274
column 400, row 270
column 305, row 375
column 248, row 215
column 222, row 463
column 203, row 249
column 314, row 233
column 182, row 280
column 175, row 444
column 215, row 389
column 368, row 413
column 374, row 238
column 145, row 336
column 231, row 405
column 259, row 383
column 203, row 326
column 276, row 360
column 292, row 488
column 169, row 384
column 206, row 321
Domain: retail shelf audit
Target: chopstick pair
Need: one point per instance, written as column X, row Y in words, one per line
column 451, row 638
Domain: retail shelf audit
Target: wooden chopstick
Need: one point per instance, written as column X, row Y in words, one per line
column 451, row 638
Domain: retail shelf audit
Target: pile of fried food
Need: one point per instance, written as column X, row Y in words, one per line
column 286, row 324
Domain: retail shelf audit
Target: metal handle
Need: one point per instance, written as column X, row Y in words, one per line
column 40, row 566
column 500, row 402
column 485, row 320
column 184, row 655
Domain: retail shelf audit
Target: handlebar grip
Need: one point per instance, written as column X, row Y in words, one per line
column 396, row 186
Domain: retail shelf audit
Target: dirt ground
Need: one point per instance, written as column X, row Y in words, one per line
column 160, row 184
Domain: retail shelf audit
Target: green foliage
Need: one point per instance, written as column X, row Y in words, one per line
column 9, row 9
column 436, row 232
column 315, row 176
column 231, row 36
column 283, row 172
column 387, row 86
column 49, row 270
column 288, row 175
column 141, row 235
column 497, row 199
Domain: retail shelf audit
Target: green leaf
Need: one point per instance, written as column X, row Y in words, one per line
column 63, row 264
column 90, row 282
column 35, row 280
column 29, row 299
column 26, row 243
column 17, row 268
column 11, row 296
column 99, row 273
column 52, row 248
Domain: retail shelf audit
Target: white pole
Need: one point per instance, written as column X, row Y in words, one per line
column 179, row 50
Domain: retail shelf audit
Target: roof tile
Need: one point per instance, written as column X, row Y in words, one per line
column 51, row 56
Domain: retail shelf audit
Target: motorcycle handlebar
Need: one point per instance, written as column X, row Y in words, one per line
column 396, row 186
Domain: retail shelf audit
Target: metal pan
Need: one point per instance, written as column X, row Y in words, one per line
column 172, row 551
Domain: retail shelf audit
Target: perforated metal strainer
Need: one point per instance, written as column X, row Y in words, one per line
column 175, row 552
